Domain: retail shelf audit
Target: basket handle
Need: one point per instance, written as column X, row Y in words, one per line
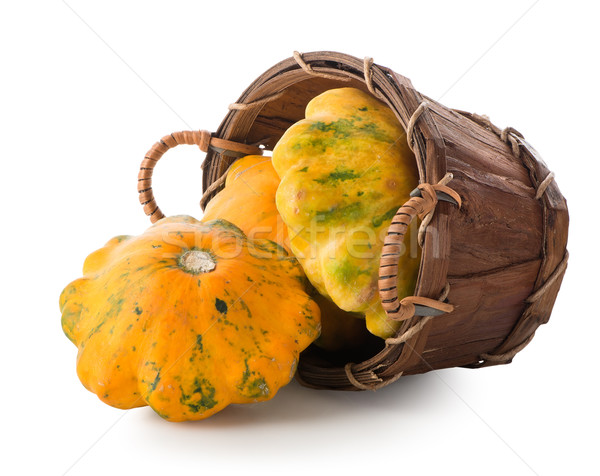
column 423, row 201
column 203, row 139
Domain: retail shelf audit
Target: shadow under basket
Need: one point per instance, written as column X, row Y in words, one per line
column 499, row 259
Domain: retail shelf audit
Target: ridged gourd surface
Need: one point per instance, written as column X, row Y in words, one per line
column 187, row 318
column 345, row 170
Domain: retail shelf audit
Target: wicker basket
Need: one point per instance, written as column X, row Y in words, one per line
column 497, row 261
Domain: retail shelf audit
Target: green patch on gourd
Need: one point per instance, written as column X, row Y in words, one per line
column 346, row 272
column 96, row 329
column 372, row 129
column 226, row 225
column 221, row 306
column 345, row 128
column 138, row 310
column 252, row 387
column 199, row 343
column 67, row 326
column 350, row 212
column 322, row 143
column 377, row 221
column 340, row 174
column 116, row 305
column 246, row 374
column 202, row 397
column 256, row 388
column 69, row 319
column 245, row 307
column 154, row 383
column 270, row 247
column 342, row 128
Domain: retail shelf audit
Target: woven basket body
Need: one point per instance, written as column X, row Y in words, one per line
column 503, row 253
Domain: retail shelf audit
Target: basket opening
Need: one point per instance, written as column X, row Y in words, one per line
column 315, row 355
column 278, row 115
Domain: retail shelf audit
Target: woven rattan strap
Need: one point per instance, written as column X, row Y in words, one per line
column 393, row 248
column 203, row 139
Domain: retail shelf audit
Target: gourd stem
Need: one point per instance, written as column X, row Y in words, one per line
column 197, row 261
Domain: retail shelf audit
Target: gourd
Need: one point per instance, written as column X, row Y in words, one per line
column 345, row 170
column 187, row 318
column 248, row 201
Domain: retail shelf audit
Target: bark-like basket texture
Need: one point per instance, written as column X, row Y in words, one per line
column 499, row 259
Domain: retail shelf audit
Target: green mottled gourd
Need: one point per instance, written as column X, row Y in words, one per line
column 187, row 318
column 345, row 170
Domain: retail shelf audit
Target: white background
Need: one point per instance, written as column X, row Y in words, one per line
column 88, row 87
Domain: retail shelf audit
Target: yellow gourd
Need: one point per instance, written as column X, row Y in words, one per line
column 345, row 170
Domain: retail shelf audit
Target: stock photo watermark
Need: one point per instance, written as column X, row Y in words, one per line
column 316, row 241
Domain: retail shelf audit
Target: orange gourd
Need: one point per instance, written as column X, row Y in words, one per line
column 248, row 200
column 187, row 318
